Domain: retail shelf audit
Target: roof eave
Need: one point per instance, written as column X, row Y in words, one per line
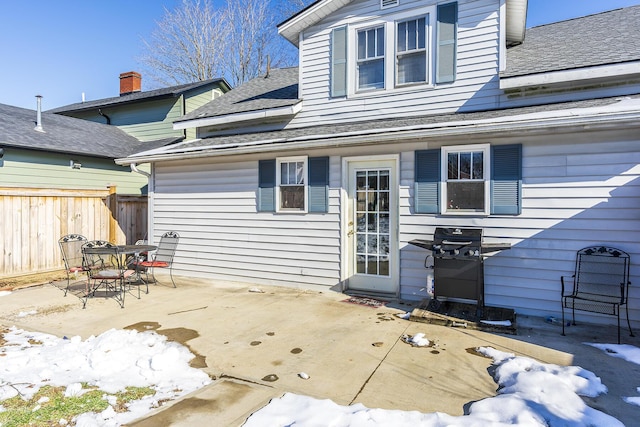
column 516, row 21
column 314, row 13
column 270, row 113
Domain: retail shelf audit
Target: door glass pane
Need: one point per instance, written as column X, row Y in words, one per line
column 372, row 223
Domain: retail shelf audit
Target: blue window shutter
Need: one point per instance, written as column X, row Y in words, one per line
column 427, row 181
column 318, row 168
column 267, row 186
column 506, row 179
column 339, row 62
column 447, row 41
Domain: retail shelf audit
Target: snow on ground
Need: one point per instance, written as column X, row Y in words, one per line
column 111, row 361
column 627, row 352
column 531, row 394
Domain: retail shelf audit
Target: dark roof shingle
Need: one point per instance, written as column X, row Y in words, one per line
column 605, row 38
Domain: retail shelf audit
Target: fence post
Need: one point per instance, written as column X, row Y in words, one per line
column 112, row 204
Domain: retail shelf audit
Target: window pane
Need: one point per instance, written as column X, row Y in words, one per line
column 292, row 197
column 421, row 33
column 411, row 35
column 362, row 45
column 412, row 68
column 299, row 173
column 361, row 220
column 465, row 196
column 478, row 159
column 402, row 36
column 383, row 205
column 371, row 44
column 465, row 166
column 373, row 181
column 362, row 201
column 380, row 41
column 371, row 74
column 361, row 181
column 452, row 160
column 360, row 264
column 284, row 173
column 372, row 243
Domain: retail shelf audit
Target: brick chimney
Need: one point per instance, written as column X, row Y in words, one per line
column 130, row 82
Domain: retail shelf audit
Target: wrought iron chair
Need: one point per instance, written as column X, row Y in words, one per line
column 106, row 268
column 163, row 257
column 71, row 248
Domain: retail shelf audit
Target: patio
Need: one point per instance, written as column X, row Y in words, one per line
column 352, row 353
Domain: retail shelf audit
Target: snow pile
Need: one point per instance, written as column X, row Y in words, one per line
column 627, row 352
column 531, row 393
column 111, row 361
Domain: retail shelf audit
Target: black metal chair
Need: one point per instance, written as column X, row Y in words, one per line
column 106, row 268
column 71, row 248
column 163, row 256
column 600, row 284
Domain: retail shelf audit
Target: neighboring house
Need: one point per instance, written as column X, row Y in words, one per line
column 55, row 175
column 147, row 115
column 404, row 116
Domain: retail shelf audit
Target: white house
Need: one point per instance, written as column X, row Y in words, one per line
column 544, row 125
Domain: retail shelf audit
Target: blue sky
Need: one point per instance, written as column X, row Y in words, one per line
column 60, row 49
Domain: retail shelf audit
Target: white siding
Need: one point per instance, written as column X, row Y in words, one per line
column 213, row 208
column 476, row 86
column 574, row 195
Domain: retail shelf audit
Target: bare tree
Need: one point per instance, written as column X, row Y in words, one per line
column 197, row 42
column 187, row 45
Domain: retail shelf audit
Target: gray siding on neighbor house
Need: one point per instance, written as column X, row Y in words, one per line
column 37, row 169
column 212, row 205
column 577, row 192
column 476, row 85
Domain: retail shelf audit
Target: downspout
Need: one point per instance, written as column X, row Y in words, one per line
column 134, row 168
column 105, row 116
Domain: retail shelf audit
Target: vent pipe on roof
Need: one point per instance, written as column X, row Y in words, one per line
column 39, row 114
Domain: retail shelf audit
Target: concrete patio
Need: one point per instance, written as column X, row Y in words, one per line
column 254, row 344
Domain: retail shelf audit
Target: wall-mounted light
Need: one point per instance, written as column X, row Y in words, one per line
column 74, row 164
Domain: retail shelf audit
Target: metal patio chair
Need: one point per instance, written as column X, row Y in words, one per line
column 71, row 248
column 106, row 269
column 163, row 256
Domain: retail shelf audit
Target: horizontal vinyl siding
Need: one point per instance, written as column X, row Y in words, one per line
column 574, row 195
column 213, row 208
column 476, row 85
column 23, row 168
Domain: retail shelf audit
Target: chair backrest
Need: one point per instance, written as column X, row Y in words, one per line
column 604, row 271
column 167, row 247
column 71, row 248
column 99, row 254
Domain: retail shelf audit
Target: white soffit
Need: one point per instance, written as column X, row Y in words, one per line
column 292, row 27
column 516, row 21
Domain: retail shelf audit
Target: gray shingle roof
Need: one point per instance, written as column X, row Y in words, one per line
column 279, row 89
column 64, row 134
column 172, row 91
column 374, row 127
column 604, row 38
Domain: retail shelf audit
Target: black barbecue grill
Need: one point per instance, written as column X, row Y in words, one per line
column 458, row 270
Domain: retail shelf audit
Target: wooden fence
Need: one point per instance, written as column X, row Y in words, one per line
column 32, row 220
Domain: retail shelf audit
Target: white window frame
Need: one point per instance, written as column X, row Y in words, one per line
column 390, row 74
column 305, row 177
column 384, row 57
column 444, row 179
column 427, row 49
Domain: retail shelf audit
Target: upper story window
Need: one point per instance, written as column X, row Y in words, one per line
column 417, row 46
column 371, row 46
column 411, row 51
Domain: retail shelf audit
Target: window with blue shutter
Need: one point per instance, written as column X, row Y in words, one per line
column 427, row 181
column 339, row 62
column 506, row 179
column 446, row 33
column 267, row 186
column 318, row 184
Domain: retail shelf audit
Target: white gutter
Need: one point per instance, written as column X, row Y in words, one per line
column 135, row 169
column 240, row 117
column 573, row 77
column 624, row 112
